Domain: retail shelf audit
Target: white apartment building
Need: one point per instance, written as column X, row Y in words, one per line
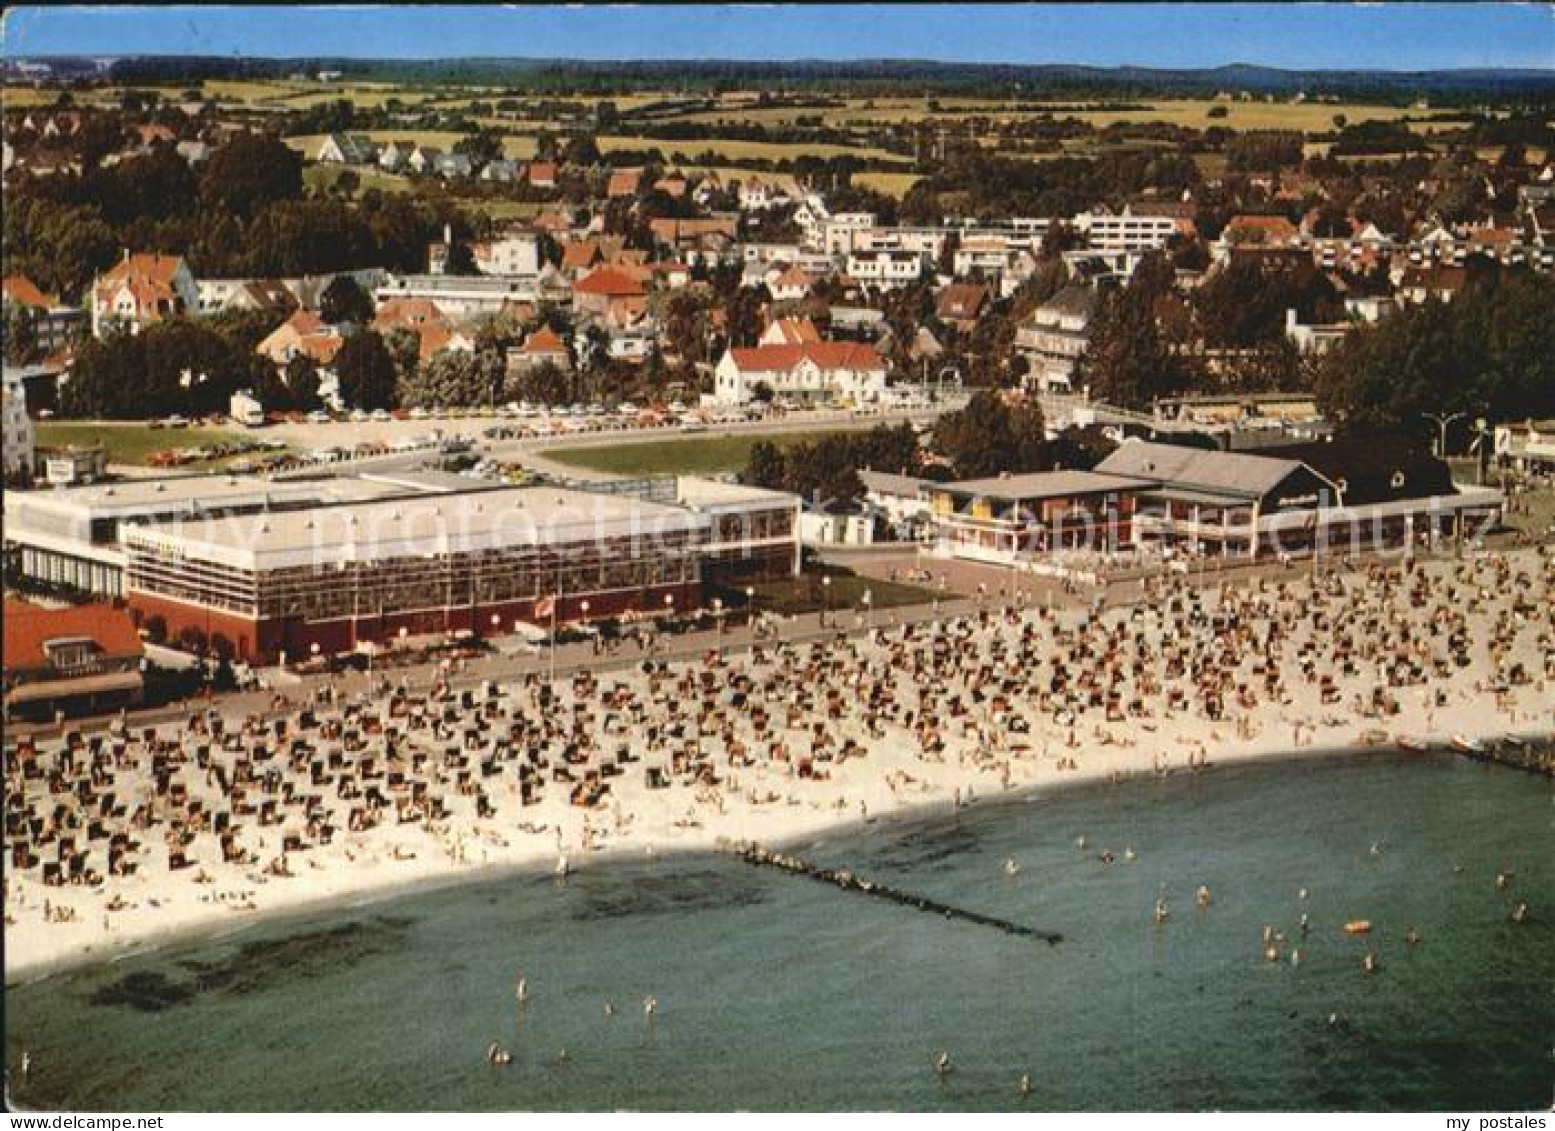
column 839, row 231
column 1125, row 231
column 887, row 269
column 18, row 444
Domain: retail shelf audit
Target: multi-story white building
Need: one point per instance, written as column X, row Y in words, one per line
column 18, row 435
column 839, row 232
column 887, row 269
column 1125, row 231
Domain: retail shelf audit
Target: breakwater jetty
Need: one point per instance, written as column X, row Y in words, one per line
column 760, row 857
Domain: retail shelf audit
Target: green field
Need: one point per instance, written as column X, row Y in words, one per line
column 134, row 443
column 710, row 455
column 808, row 594
column 745, row 150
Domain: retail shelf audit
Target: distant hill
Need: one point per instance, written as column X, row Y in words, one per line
column 1009, row 79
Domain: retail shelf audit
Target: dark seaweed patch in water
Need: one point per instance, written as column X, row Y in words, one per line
column 660, row 895
column 927, row 847
column 146, row 991
column 258, row 965
column 264, row 963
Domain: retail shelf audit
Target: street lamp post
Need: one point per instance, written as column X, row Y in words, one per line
column 1442, row 421
column 826, row 589
column 718, row 618
column 869, row 609
column 750, row 610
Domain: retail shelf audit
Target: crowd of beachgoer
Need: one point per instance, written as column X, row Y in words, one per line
column 233, row 803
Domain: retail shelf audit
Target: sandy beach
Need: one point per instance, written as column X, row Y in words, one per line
column 204, row 825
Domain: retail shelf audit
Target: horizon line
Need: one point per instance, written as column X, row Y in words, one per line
column 797, row 60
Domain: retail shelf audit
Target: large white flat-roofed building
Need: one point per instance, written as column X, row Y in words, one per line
column 333, row 579
column 751, row 531
column 70, row 537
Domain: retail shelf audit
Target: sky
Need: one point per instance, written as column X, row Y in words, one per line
column 1391, row 36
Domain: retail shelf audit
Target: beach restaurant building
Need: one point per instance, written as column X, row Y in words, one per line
column 1329, row 495
column 327, row 580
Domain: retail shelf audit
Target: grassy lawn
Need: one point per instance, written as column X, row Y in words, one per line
column 710, row 455
column 134, row 443
column 807, row 594
column 892, row 184
column 744, row 150
column 325, row 176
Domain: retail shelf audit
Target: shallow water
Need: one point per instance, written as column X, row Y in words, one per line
column 776, row 992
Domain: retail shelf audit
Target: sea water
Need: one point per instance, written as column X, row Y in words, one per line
column 775, row 992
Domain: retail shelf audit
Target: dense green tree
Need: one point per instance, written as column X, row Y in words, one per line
column 344, row 300
column 366, row 372
column 1490, row 352
column 542, row 384
column 990, row 436
column 21, row 335
column 1127, row 361
column 765, row 466
column 302, row 383
column 250, row 172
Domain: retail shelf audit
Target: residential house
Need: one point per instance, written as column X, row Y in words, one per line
column 392, row 157
column 454, row 166
column 347, row 149
column 303, row 333
column 839, row 232
column 542, row 174
column 543, row 347
column 423, row 159
column 623, row 183
column 1439, row 281
column 789, row 332
column 961, row 304
column 218, row 295
column 142, row 289
column 502, row 171
column 812, row 371
column 757, row 195
column 791, row 284
column 1054, row 335
column 610, row 290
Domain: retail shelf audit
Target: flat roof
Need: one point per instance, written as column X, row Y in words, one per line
column 425, row 527
column 1042, row 485
column 202, row 492
column 694, row 491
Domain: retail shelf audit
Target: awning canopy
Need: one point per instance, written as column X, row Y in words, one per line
column 67, row 688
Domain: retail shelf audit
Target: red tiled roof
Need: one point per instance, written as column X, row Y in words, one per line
column 796, row 331
column 143, row 265
column 29, row 626
column 623, row 183
column 961, row 300
column 544, row 340
column 23, row 291
column 585, row 253
column 825, row 355
column 610, row 281
column 413, row 312
column 542, row 171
